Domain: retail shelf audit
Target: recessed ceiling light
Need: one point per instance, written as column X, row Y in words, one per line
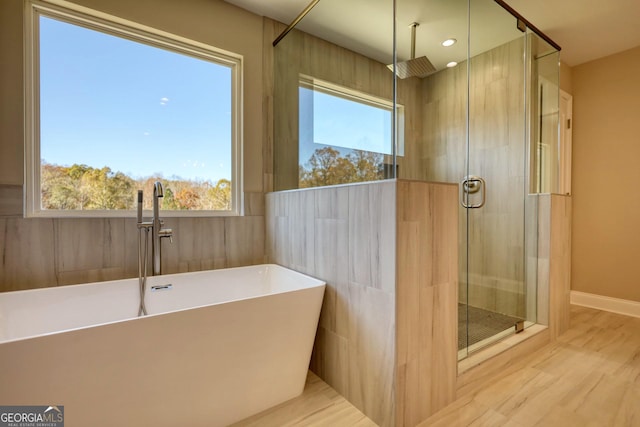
column 452, row 64
column 449, row 42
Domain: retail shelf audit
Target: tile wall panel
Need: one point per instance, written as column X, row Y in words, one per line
column 345, row 236
column 50, row 252
column 388, row 251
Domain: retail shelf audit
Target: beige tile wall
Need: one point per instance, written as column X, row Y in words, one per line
column 554, row 262
column 560, row 264
column 496, row 131
column 544, row 251
column 51, row 252
column 303, row 54
column 345, row 235
column 388, row 252
column 426, row 295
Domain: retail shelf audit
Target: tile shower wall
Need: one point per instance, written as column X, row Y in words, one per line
column 303, row 54
column 554, row 262
column 560, row 264
column 388, row 251
column 345, row 235
column 497, row 154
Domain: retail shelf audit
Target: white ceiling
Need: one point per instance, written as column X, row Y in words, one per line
column 585, row 29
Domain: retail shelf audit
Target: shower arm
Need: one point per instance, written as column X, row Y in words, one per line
column 295, row 22
column 413, row 39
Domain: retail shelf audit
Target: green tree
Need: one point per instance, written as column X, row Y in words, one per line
column 82, row 187
column 368, row 165
column 104, row 190
column 187, row 198
column 220, row 195
column 59, row 189
column 327, row 167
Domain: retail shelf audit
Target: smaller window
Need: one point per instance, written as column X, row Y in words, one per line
column 345, row 135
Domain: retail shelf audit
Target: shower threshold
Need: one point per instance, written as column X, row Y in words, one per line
column 484, row 327
column 464, row 352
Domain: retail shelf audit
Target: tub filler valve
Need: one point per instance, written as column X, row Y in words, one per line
column 158, row 232
column 156, row 225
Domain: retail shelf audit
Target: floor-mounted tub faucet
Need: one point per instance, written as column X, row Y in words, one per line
column 157, row 232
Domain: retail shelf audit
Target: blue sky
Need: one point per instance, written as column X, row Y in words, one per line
column 145, row 111
column 339, row 122
column 107, row 101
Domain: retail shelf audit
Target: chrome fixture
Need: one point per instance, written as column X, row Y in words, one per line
column 414, row 67
column 143, row 226
column 157, row 232
column 166, row 287
column 469, row 185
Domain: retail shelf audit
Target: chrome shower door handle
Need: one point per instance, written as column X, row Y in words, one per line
column 472, row 184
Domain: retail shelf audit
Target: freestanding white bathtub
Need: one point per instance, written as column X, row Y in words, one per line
column 217, row 347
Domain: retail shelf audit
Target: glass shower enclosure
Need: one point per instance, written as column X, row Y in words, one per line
column 490, row 125
column 480, row 111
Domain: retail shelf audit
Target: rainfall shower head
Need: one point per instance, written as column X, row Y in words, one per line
column 414, row 67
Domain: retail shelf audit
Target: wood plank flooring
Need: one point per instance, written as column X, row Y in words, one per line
column 590, row 377
column 319, row 406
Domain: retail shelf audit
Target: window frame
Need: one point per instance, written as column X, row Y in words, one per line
column 353, row 95
column 119, row 27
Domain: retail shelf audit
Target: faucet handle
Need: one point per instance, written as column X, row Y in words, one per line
column 166, row 232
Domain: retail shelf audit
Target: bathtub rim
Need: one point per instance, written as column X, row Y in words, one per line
column 314, row 283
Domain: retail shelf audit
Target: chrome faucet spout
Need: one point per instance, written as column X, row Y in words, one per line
column 157, row 232
column 158, row 192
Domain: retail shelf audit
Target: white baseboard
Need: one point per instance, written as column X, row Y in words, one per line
column 614, row 305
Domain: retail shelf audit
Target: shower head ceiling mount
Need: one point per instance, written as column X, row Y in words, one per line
column 414, row 67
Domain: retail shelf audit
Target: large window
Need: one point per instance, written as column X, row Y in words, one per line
column 345, row 135
column 114, row 106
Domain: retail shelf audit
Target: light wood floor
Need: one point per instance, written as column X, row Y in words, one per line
column 589, row 377
column 318, row 405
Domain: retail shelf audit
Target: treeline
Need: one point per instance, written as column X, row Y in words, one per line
column 328, row 167
column 82, row 187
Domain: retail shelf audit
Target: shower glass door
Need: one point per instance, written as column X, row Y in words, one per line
column 494, row 201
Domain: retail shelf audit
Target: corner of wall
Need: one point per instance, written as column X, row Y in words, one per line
column 426, row 299
column 559, row 264
column 566, row 77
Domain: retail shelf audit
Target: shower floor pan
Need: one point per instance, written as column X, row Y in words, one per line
column 483, row 324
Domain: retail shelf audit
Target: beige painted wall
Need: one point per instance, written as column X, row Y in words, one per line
column 606, row 202
column 49, row 252
column 566, row 79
